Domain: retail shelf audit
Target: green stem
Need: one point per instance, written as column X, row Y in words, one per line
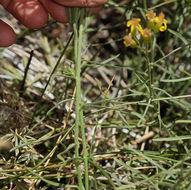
column 78, row 98
column 145, row 4
column 150, row 80
column 85, row 152
column 150, row 77
column 78, row 38
column 149, row 64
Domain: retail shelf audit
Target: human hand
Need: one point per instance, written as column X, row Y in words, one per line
column 34, row 14
column 81, row 3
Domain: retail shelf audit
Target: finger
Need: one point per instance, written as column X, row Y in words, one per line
column 29, row 12
column 95, row 9
column 7, row 36
column 81, row 3
column 57, row 11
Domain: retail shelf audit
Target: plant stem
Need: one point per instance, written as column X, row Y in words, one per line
column 78, row 38
column 145, row 4
column 78, row 98
column 149, row 64
column 150, row 80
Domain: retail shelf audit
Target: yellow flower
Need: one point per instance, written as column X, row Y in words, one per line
column 129, row 42
column 151, row 19
column 146, row 34
column 134, row 24
column 161, row 22
column 151, row 16
column 157, row 23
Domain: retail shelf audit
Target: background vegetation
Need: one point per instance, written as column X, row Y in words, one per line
column 134, row 141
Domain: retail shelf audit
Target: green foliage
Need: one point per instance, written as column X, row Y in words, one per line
column 136, row 105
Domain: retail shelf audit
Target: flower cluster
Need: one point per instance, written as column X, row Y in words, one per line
column 155, row 23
